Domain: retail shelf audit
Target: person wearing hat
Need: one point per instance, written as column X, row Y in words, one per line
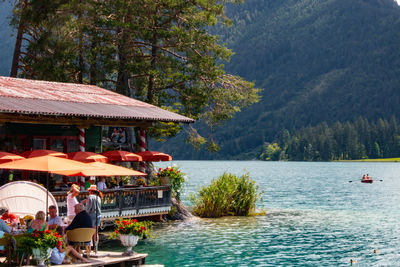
column 93, row 206
column 72, row 201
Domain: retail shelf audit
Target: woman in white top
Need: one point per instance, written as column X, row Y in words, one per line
column 72, row 201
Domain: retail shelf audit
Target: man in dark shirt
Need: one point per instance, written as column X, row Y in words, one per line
column 81, row 220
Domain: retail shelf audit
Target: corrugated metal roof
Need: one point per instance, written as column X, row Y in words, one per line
column 67, row 99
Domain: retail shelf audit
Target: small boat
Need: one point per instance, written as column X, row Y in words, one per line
column 368, row 181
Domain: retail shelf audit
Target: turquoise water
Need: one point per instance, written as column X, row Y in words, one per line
column 315, row 217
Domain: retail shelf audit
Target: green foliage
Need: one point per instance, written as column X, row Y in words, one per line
column 272, row 152
column 315, row 60
column 160, row 52
column 38, row 239
column 176, row 178
column 341, row 141
column 227, row 195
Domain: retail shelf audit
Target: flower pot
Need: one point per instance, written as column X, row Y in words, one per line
column 41, row 256
column 129, row 241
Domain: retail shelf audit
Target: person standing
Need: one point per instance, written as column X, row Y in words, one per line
column 72, row 201
column 93, row 207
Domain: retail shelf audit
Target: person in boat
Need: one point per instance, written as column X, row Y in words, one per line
column 364, row 177
column 368, row 177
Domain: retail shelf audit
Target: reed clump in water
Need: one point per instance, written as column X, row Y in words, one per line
column 226, row 196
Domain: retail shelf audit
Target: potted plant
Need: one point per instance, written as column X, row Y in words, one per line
column 39, row 244
column 174, row 177
column 129, row 231
column 141, row 182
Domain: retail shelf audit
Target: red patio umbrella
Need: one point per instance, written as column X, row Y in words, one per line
column 120, row 155
column 43, row 152
column 154, row 156
column 84, row 156
column 8, row 157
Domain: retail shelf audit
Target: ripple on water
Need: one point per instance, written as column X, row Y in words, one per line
column 315, row 217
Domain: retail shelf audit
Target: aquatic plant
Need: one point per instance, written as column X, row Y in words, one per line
column 227, row 195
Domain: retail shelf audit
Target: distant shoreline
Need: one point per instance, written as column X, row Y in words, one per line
column 373, row 160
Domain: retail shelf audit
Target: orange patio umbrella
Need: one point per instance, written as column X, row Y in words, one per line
column 105, row 169
column 49, row 164
column 154, row 156
column 43, row 152
column 84, row 156
column 8, row 157
column 121, row 155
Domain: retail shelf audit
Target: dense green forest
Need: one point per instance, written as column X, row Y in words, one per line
column 340, row 141
column 317, row 61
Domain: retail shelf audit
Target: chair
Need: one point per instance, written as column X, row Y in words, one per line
column 80, row 237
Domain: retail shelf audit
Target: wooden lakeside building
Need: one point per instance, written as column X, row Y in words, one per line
column 51, row 115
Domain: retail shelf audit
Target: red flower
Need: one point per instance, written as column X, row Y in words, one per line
column 59, row 244
column 116, row 231
column 143, row 228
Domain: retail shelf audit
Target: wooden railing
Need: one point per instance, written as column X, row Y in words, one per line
column 125, row 202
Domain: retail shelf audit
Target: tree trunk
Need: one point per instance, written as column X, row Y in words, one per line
column 18, row 43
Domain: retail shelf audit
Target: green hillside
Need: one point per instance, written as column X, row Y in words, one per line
column 332, row 60
column 317, row 60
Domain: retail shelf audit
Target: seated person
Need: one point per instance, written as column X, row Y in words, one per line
column 58, row 255
column 81, row 220
column 9, row 217
column 54, row 220
column 3, row 225
column 39, row 223
column 101, row 185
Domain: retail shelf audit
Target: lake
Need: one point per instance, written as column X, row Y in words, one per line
column 315, row 216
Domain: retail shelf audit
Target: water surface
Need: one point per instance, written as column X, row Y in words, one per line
column 315, row 217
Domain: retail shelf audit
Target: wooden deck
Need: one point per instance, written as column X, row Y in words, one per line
column 111, row 259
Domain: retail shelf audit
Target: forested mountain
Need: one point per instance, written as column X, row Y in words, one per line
column 316, row 60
